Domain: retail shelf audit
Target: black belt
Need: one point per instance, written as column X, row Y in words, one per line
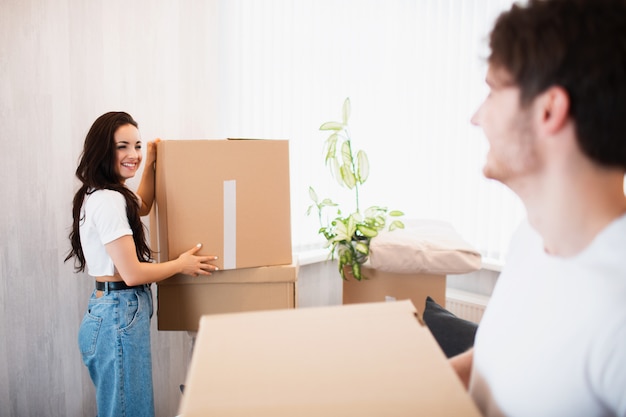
column 116, row 286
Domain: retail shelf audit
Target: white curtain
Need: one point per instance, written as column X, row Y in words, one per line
column 414, row 71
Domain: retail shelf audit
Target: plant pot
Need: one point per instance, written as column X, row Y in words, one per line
column 349, row 253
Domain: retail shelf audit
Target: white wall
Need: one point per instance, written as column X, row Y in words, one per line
column 62, row 64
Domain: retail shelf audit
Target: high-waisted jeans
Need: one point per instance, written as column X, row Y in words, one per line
column 114, row 340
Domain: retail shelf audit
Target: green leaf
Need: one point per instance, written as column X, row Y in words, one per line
column 342, row 272
column 362, row 248
column 332, row 126
column 346, row 110
column 357, row 217
column 342, row 233
column 367, row 231
column 396, row 224
column 374, row 211
column 346, row 153
column 331, row 147
column 363, row 166
column 351, row 224
column 396, row 213
column 356, row 271
column 313, row 195
column 348, row 177
column 348, row 256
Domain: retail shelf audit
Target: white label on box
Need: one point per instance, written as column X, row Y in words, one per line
column 230, row 224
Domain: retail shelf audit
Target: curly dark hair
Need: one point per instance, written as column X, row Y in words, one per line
column 579, row 45
column 96, row 171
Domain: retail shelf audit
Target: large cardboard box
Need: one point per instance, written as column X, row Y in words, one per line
column 357, row 360
column 230, row 195
column 182, row 299
column 382, row 285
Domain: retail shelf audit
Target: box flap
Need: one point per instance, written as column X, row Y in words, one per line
column 357, row 360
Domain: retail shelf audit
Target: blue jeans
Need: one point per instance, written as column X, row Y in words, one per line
column 114, row 340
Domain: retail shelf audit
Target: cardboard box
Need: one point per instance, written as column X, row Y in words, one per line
column 382, row 286
column 182, row 299
column 357, row 360
column 230, row 195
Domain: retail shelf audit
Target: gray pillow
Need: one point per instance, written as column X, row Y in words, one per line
column 453, row 334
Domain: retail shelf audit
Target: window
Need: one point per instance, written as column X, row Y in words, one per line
column 414, row 71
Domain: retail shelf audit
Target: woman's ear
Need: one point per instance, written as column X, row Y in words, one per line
column 553, row 107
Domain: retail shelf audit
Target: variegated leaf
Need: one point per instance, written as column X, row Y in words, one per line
column 332, row 126
column 346, row 110
column 363, row 166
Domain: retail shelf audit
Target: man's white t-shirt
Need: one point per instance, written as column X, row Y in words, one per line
column 552, row 341
column 104, row 220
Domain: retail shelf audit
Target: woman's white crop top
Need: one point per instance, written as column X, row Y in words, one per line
column 103, row 220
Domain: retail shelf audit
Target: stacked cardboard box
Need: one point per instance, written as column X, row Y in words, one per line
column 184, row 299
column 380, row 286
column 233, row 197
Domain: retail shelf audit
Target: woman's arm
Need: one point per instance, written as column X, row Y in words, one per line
column 462, row 365
column 146, row 186
column 133, row 272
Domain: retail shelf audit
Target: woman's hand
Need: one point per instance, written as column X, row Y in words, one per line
column 151, row 153
column 146, row 186
column 194, row 265
column 133, row 272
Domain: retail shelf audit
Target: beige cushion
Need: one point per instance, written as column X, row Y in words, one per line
column 423, row 246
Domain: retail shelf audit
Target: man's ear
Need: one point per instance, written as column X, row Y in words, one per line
column 553, row 108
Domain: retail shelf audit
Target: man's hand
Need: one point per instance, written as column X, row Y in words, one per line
column 462, row 365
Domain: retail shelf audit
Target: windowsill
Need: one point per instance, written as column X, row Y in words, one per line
column 491, row 264
column 313, row 256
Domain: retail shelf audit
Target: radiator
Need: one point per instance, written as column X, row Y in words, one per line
column 466, row 305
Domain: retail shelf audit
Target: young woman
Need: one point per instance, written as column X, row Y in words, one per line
column 108, row 239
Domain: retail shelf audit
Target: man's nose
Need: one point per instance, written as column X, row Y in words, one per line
column 475, row 119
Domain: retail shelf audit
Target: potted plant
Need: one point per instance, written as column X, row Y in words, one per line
column 348, row 236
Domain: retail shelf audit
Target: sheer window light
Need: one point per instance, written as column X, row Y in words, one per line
column 414, row 71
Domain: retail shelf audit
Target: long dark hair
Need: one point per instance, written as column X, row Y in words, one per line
column 96, row 171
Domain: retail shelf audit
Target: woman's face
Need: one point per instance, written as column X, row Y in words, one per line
column 127, row 151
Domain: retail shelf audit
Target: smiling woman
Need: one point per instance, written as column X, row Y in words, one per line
column 108, row 239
